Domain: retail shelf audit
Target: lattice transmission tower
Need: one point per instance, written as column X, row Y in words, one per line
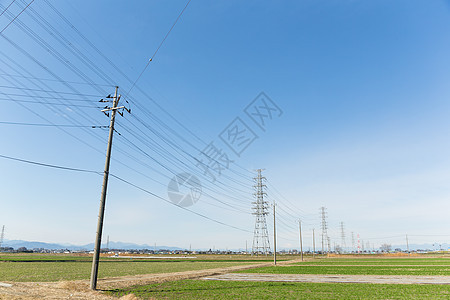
column 343, row 244
column 260, row 236
column 324, row 227
column 353, row 241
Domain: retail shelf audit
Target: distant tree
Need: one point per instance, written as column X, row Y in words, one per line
column 22, row 249
column 386, row 248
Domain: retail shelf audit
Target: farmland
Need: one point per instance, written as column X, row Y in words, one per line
column 45, row 268
column 209, row 289
column 416, row 266
column 150, row 277
column 201, row 289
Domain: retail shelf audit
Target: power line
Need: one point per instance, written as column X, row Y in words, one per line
column 53, row 125
column 184, row 208
column 1, row 32
column 160, row 45
column 119, row 70
column 7, row 7
column 49, row 165
column 86, row 78
column 54, row 80
column 49, row 103
column 49, row 91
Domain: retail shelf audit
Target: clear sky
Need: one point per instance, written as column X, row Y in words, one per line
column 363, row 87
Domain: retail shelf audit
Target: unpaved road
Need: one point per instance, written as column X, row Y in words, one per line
column 385, row 279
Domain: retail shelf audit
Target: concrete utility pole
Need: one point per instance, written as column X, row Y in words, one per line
column 274, row 238
column 407, row 244
column 359, row 244
column 2, row 236
column 98, row 240
column 314, row 245
column 301, row 242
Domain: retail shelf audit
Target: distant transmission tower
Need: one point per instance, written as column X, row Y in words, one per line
column 343, row 246
column 2, row 236
column 359, row 244
column 353, row 241
column 261, row 206
column 324, row 228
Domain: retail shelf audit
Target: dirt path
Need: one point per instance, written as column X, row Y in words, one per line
column 384, row 279
column 80, row 289
column 374, row 265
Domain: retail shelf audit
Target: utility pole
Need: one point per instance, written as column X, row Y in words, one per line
column 359, row 244
column 407, row 244
column 329, row 244
column 101, row 214
column 107, row 243
column 314, row 245
column 274, row 238
column 246, row 251
column 2, row 236
column 301, row 242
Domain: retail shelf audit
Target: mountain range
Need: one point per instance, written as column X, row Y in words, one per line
column 52, row 246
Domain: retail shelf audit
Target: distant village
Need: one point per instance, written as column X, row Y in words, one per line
column 115, row 252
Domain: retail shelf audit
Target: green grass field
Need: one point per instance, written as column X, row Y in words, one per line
column 44, row 268
column 56, row 271
column 36, row 268
column 378, row 261
column 356, row 270
column 375, row 266
column 203, row 289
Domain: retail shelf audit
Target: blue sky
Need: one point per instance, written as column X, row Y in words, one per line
column 363, row 86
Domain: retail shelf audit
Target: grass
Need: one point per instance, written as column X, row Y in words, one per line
column 379, row 261
column 204, row 289
column 355, row 270
column 374, row 266
column 55, row 267
column 33, row 267
column 69, row 270
column 43, row 258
